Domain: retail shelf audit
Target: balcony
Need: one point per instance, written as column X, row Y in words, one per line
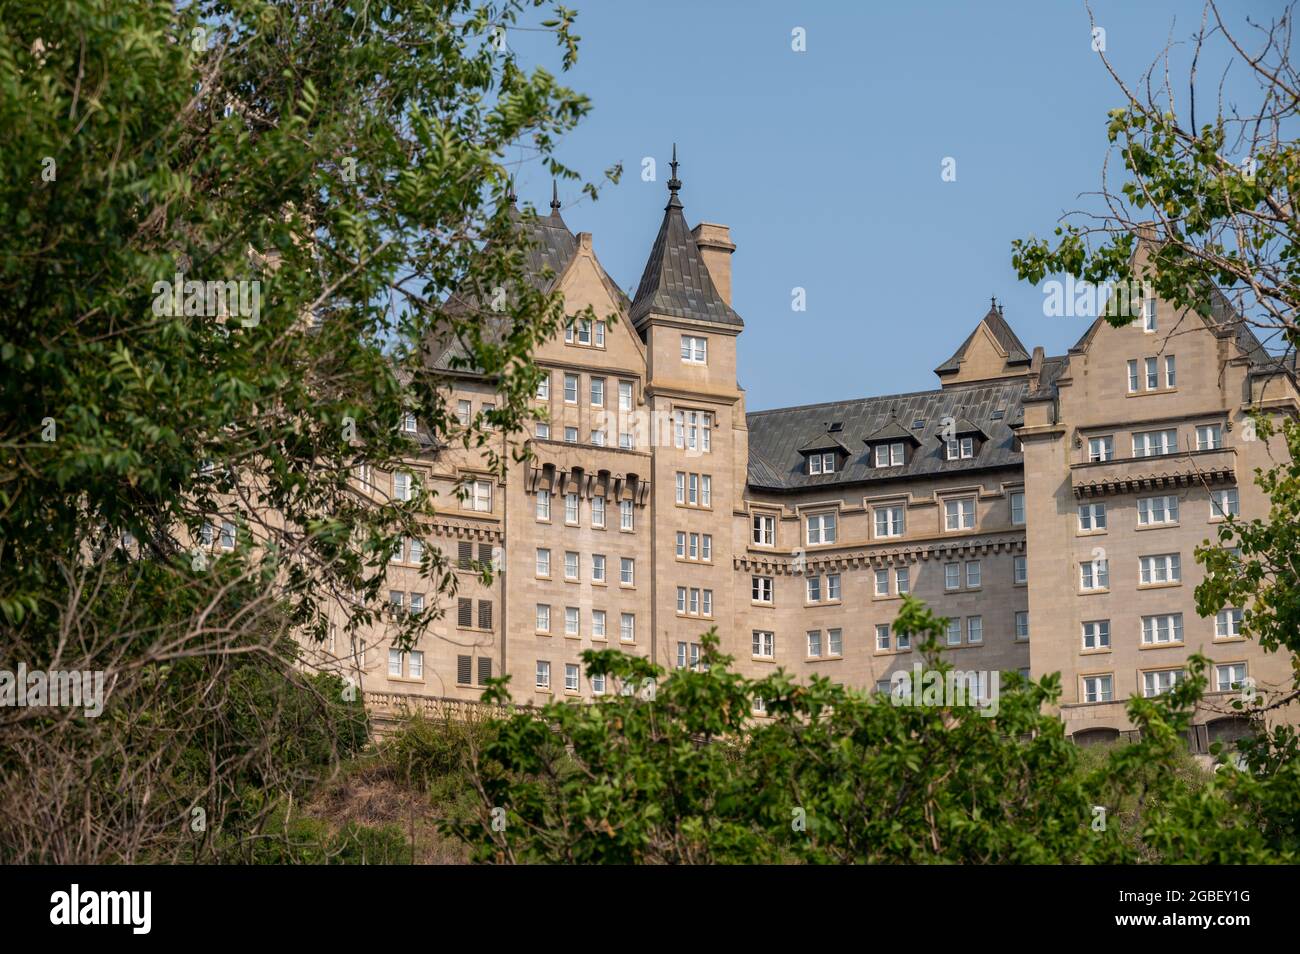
column 1133, row 474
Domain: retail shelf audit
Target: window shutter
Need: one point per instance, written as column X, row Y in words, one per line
column 465, row 554
column 464, row 612
column 485, row 554
column 484, row 614
column 484, row 669
column 463, row 670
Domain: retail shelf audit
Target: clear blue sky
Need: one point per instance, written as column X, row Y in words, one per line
column 826, row 164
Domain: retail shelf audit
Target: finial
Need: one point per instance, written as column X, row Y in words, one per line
column 555, row 196
column 674, row 183
column 510, row 191
column 993, row 302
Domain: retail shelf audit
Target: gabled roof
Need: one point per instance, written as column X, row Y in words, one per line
column 776, row 437
column 551, row 248
column 823, row 441
column 962, row 426
column 1002, row 334
column 676, row 282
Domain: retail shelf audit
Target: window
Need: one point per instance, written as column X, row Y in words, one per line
column 584, row 331
column 681, row 487
column 598, row 684
column 1163, row 568
column 227, row 535
column 889, row 521
column 882, row 582
column 1229, row 677
column 598, row 568
column 954, row 632
column 543, row 617
column 764, row 644
column 417, row 551
column 1227, row 624
column 598, row 438
column 959, row 514
column 1155, row 443
column 821, row 463
column 814, row 589
column 1018, row 508
column 484, row 614
column 1132, row 376
column 570, row 677
column 835, row 642
column 571, row 435
column 625, row 395
column 882, row 637
column 1092, row 516
column 543, row 505
column 417, row 604
column 889, row 455
column 463, row 411
column 973, row 574
column 974, row 629
column 681, row 544
column 694, row 490
column 543, row 432
column 598, row 624
column 1152, row 374
column 1098, row 689
column 1171, row 375
column 1209, row 437
column 543, row 674
column 695, row 350
column 904, row 640
column 408, row 422
column 1020, row 569
column 570, row 389
column 1156, row 683
column 1022, row 625
column 681, row 599
column 960, row 448
column 1224, row 503
column 1157, row 510
column 543, row 562
column 821, row 528
column 415, row 664
column 395, row 662
column 598, row 512
column 1148, row 315
column 688, row 654
column 814, row 643
column 832, row 586
column 952, row 576
column 1094, row 575
column 600, row 334
column 1158, row 630
column 478, row 496
column 625, row 440
column 627, row 627
column 597, row 392
column 626, row 573
column 544, row 388
column 1101, row 448
column 625, row 519
column 761, row 589
column 464, row 609
column 902, row 583
column 1096, row 634
column 572, row 621
column 763, row 530
column 693, row 430
column 706, row 490
column 571, row 509
column 402, row 485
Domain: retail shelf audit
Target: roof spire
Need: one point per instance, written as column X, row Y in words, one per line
column 993, row 302
column 510, row 191
column 674, row 183
column 555, row 198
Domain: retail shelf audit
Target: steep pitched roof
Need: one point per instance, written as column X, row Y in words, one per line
column 1002, row 334
column 551, row 247
column 676, row 282
column 775, row 461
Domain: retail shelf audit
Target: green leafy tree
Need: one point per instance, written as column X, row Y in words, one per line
column 229, row 233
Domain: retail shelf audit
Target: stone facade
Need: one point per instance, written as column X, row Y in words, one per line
column 653, row 507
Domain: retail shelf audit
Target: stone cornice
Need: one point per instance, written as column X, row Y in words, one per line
column 875, row 557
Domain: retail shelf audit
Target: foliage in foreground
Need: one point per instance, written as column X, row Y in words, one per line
column 676, row 771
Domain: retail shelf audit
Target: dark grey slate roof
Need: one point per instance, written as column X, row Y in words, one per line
column 775, row 462
column 676, row 282
column 823, row 441
column 1051, row 370
column 891, row 431
column 1002, row 334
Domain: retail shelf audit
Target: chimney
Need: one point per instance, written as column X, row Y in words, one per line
column 715, row 245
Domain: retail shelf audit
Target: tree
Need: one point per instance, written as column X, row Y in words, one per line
column 230, row 230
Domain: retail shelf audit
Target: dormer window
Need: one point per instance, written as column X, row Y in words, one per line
column 821, row 463
column 408, row 422
column 890, row 455
column 962, row 448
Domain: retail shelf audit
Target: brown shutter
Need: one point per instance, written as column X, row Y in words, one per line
column 464, row 612
column 465, row 554
column 484, row 614
column 463, row 670
column 484, row 669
